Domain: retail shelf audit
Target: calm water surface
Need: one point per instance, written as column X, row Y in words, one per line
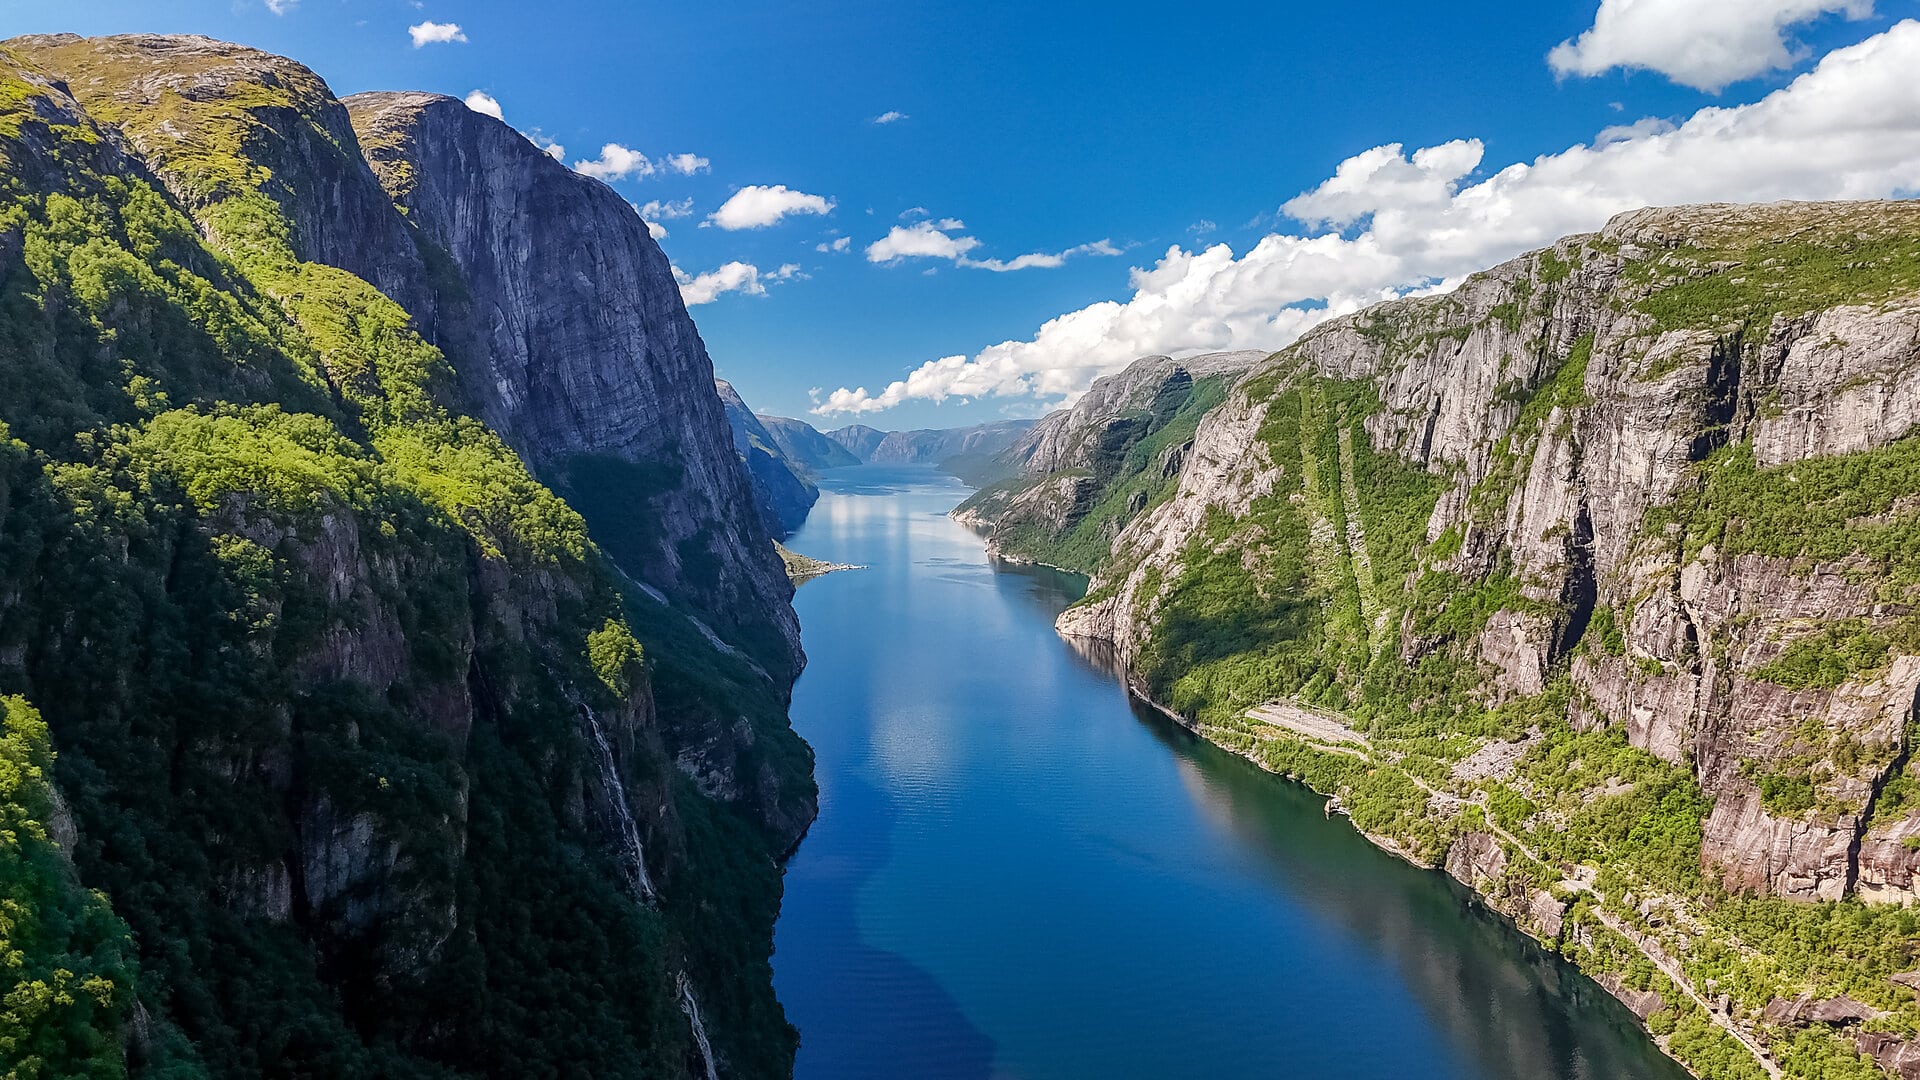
column 1018, row 874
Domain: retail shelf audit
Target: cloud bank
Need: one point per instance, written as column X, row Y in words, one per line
column 1848, row 129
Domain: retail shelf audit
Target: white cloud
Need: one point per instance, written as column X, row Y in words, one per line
column 755, row 206
column 891, row 116
column 553, row 149
column 482, row 102
column 281, row 7
column 656, row 230
column 686, row 164
column 616, row 162
column 1849, row 129
column 837, row 246
column 730, row 277
column 936, row 239
column 1705, row 44
column 656, row 210
column 1203, row 227
column 433, row 33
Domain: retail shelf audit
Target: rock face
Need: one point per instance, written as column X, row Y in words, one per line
column 1609, row 435
column 567, row 329
column 353, row 713
column 780, row 486
column 804, row 446
column 1116, row 451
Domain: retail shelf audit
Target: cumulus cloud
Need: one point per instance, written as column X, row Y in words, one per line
column 756, row 206
column 656, row 210
column 433, row 33
column 686, row 164
column 939, row 239
column 482, row 102
column 837, row 246
column 553, row 149
column 616, row 162
column 1705, row 44
column 891, row 116
column 730, row 277
column 656, row 230
column 1848, row 129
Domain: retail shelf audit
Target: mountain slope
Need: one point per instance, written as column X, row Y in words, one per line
column 1594, row 582
column 1080, row 474
column 780, row 488
column 368, row 741
column 804, row 445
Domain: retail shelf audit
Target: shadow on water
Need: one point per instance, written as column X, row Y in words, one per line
column 921, row 1031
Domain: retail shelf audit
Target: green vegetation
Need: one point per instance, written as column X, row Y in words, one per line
column 1127, row 477
column 68, row 961
column 1291, row 600
column 307, row 636
column 1750, row 279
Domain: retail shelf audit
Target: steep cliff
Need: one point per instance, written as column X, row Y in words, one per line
column 561, row 315
column 780, row 487
column 1080, row 474
column 1596, row 581
column 386, row 765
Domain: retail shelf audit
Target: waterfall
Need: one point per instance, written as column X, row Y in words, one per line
column 692, row 1009
column 629, row 829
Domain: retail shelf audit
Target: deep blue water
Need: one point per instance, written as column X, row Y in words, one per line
column 1017, row 873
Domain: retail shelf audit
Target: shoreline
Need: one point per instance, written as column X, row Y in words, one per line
column 1612, row 986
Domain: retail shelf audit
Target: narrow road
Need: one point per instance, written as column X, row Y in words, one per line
column 1329, row 731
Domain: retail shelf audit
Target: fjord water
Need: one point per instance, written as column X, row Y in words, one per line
column 1018, row 873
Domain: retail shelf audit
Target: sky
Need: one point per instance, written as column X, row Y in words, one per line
column 931, row 215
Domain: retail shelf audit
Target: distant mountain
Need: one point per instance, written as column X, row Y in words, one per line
column 782, row 491
column 968, row 452
column 804, row 446
column 859, row 439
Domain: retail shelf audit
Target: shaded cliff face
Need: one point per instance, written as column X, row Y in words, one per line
column 356, row 729
column 566, row 326
column 780, row 486
column 1652, row 497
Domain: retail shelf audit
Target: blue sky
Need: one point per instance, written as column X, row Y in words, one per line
column 1116, row 132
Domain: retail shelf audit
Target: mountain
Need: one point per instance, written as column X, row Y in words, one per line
column 393, row 663
column 804, row 446
column 966, row 452
column 858, row 439
column 780, row 487
column 1595, row 582
column 1080, row 474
